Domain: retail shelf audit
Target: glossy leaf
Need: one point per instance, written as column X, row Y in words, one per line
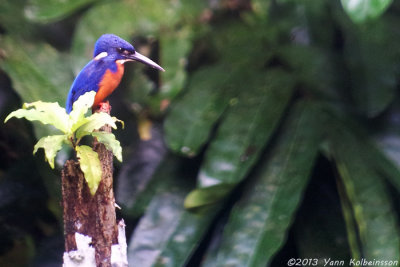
column 90, row 165
column 376, row 223
column 46, row 113
column 13, row 19
column 51, row 145
column 145, row 171
column 95, row 122
column 51, row 10
column 370, row 54
column 315, row 68
column 112, row 144
column 167, row 234
column 246, row 128
column 387, row 140
column 258, row 224
column 348, row 214
column 363, row 10
column 186, row 132
column 206, row 196
column 38, row 71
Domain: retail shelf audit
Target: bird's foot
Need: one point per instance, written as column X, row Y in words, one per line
column 103, row 107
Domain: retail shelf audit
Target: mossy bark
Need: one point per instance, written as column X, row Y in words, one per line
column 93, row 216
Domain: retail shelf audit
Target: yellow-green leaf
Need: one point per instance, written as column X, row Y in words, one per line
column 46, row 113
column 80, row 108
column 51, row 145
column 95, row 122
column 112, row 144
column 90, row 166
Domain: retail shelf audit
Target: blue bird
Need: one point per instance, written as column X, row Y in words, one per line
column 104, row 72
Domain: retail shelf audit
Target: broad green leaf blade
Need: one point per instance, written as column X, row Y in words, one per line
column 370, row 53
column 112, row 144
column 362, row 10
column 373, row 212
column 51, row 145
column 378, row 154
column 52, row 10
column 95, row 122
column 46, row 113
column 246, row 127
column 13, row 19
column 90, row 166
column 38, row 72
column 206, row 99
column 317, row 68
column 167, row 234
column 206, row 196
column 258, row 224
column 79, row 109
column 348, row 214
column 146, row 170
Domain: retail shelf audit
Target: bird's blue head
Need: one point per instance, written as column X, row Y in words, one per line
column 110, row 45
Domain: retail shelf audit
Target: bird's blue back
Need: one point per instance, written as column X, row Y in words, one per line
column 89, row 79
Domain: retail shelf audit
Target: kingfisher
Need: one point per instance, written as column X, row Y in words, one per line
column 104, row 72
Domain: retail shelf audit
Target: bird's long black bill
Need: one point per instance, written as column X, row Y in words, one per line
column 145, row 60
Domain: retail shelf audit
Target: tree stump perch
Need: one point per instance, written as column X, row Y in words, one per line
column 92, row 216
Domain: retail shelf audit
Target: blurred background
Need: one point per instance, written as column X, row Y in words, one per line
column 273, row 134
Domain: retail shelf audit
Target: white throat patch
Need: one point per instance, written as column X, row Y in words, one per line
column 101, row 55
column 122, row 61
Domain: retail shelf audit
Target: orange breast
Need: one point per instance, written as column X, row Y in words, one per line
column 108, row 84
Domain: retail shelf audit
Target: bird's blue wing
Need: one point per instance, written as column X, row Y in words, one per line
column 87, row 80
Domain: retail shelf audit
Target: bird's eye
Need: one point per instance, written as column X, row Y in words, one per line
column 123, row 51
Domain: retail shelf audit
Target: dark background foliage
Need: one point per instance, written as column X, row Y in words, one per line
column 273, row 134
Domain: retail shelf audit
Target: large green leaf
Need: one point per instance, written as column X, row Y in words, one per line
column 167, row 234
column 377, row 155
column 13, row 19
column 38, row 72
column 348, row 215
column 95, row 122
column 362, row 10
column 46, row 113
column 246, row 127
column 366, row 191
column 112, row 144
column 51, row 10
column 258, row 224
column 90, row 165
column 206, row 99
column 387, row 159
column 316, row 68
column 370, row 51
column 144, row 173
column 51, row 145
